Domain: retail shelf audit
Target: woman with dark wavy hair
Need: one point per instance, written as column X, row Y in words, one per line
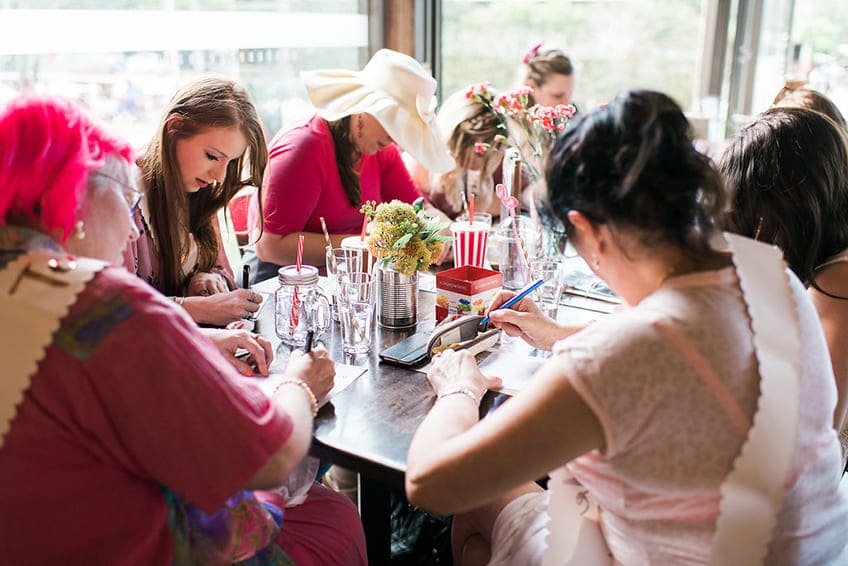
column 788, row 172
column 649, row 408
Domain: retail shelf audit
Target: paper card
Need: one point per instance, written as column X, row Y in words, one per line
column 512, row 359
column 255, row 316
column 345, row 375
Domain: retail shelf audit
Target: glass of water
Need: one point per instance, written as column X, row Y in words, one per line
column 547, row 296
column 357, row 301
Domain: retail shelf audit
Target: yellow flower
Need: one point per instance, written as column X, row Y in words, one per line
column 405, row 237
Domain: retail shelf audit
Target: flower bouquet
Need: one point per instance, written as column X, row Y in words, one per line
column 532, row 129
column 404, row 235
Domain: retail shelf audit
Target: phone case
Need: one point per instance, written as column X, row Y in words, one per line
column 461, row 333
column 409, row 352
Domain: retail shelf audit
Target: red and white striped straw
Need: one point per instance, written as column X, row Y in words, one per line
column 299, row 252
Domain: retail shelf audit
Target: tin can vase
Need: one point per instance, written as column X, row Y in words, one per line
column 397, row 297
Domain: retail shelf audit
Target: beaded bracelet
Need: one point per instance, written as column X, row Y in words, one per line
column 459, row 390
column 179, row 300
column 313, row 402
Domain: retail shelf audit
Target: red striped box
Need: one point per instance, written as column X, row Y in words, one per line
column 465, row 290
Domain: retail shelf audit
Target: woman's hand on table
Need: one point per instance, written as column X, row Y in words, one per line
column 452, row 368
column 222, row 308
column 203, row 283
column 229, row 342
column 524, row 319
column 314, row 368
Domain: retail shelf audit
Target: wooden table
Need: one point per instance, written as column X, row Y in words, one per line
column 368, row 427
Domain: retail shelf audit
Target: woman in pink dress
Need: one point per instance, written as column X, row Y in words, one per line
column 648, row 408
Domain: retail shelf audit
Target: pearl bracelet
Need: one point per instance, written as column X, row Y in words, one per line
column 459, row 390
column 313, row 402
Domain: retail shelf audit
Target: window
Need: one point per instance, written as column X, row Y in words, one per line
column 614, row 44
column 125, row 59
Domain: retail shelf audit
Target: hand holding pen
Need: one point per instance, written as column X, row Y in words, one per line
column 526, row 290
column 525, row 320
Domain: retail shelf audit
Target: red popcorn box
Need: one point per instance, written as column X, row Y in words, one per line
column 465, row 290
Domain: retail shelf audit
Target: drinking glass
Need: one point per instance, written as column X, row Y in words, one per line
column 483, row 217
column 340, row 262
column 547, row 296
column 357, row 302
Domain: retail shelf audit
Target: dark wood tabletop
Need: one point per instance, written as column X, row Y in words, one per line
column 368, row 426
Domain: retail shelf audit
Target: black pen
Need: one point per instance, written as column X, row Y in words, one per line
column 245, row 277
column 307, row 346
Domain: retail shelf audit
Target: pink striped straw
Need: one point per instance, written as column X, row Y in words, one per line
column 299, row 252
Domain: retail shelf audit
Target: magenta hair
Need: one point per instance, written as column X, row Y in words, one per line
column 48, row 147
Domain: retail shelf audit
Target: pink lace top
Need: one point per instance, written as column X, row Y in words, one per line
column 674, row 384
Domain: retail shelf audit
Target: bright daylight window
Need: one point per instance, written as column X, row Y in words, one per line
column 125, row 59
column 656, row 44
column 613, row 44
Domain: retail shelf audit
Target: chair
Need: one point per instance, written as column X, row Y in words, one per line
column 238, row 209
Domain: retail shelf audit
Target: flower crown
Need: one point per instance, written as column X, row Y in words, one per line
column 532, row 53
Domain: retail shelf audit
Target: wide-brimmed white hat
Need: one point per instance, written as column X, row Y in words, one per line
column 397, row 91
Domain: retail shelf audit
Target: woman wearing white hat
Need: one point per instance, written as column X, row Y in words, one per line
column 344, row 155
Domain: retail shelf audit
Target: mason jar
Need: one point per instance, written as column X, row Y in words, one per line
column 301, row 305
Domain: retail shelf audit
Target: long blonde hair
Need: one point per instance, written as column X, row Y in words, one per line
column 465, row 123
column 208, row 102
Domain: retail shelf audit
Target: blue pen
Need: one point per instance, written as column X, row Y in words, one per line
column 529, row 288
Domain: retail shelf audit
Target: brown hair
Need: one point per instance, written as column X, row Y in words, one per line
column 541, row 65
column 467, row 123
column 346, row 156
column 812, row 100
column 208, row 102
column 788, row 173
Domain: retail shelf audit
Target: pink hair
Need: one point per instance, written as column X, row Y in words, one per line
column 48, row 147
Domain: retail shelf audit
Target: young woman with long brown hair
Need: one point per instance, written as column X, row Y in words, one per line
column 209, row 144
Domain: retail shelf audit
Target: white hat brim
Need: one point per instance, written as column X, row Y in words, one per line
column 337, row 93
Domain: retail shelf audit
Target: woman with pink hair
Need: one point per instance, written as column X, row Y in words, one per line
column 112, row 447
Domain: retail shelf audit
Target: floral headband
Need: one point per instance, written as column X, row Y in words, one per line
column 532, row 53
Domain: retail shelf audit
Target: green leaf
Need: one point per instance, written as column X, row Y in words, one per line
column 402, row 241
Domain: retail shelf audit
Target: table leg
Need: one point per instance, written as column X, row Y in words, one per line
column 375, row 510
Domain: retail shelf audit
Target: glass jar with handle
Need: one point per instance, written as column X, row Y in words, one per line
column 301, row 305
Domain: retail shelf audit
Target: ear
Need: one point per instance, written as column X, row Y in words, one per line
column 173, row 124
column 587, row 235
column 532, row 84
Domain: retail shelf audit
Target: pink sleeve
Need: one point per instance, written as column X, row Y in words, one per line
column 188, row 419
column 295, row 179
column 140, row 254
column 396, row 182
